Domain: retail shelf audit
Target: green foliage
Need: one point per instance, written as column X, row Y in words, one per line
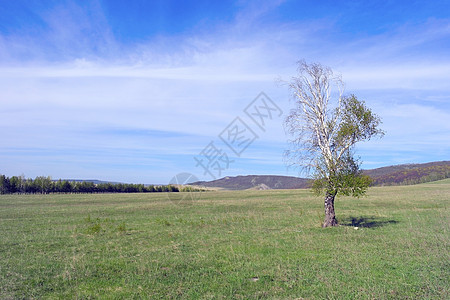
column 4, row 185
column 358, row 122
column 346, row 178
column 345, row 184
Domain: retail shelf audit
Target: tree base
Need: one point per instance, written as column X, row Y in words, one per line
column 330, row 216
column 330, row 223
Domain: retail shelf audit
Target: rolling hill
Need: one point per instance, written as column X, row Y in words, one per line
column 392, row 175
column 256, row 182
column 410, row 173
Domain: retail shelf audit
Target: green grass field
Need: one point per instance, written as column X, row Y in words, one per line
column 238, row 245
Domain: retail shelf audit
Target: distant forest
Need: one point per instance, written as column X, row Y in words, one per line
column 45, row 185
column 410, row 173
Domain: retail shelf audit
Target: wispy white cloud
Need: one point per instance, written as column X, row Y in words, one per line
column 77, row 80
column 62, row 32
column 412, row 56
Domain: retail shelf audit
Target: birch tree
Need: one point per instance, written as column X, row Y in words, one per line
column 325, row 125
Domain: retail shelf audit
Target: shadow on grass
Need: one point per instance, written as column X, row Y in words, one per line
column 366, row 222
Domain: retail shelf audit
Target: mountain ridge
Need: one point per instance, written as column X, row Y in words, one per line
column 404, row 174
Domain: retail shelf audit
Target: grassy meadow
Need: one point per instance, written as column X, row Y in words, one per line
column 392, row 244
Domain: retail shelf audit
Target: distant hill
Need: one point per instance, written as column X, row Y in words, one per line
column 94, row 181
column 392, row 175
column 256, row 182
column 410, row 173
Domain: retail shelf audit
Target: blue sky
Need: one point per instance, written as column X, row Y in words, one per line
column 134, row 91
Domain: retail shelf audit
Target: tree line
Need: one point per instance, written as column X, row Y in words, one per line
column 45, row 185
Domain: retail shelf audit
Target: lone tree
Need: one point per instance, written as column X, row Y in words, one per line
column 325, row 126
